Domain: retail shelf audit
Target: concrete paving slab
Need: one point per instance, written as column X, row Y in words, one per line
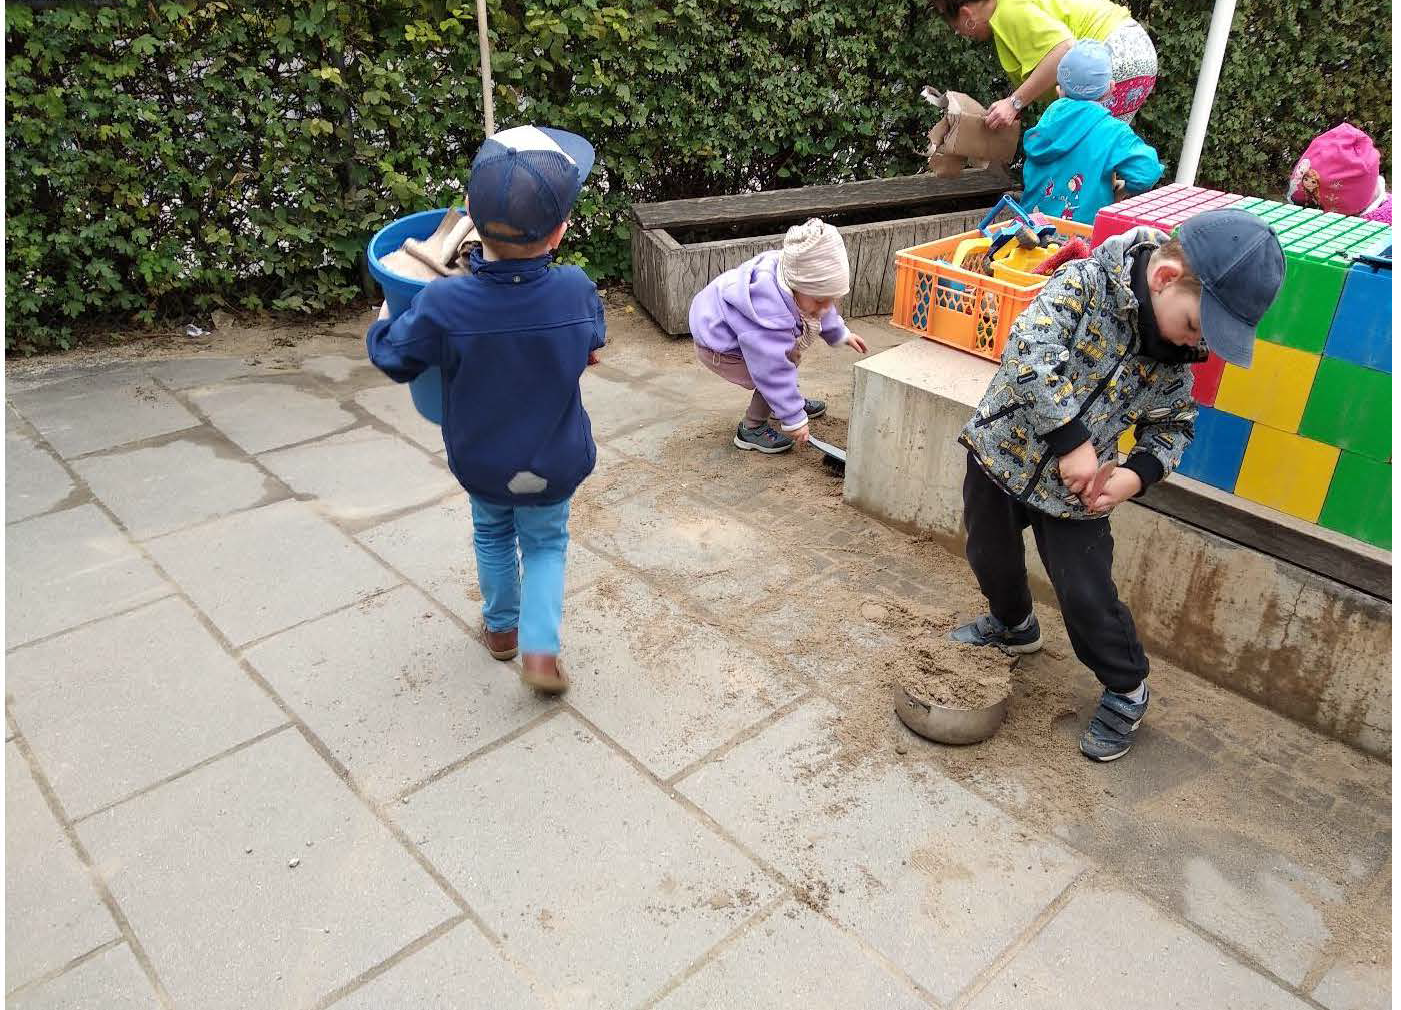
column 433, row 549
column 653, row 442
column 361, row 473
column 258, row 416
column 258, row 572
column 52, row 911
column 1355, row 985
column 111, row 980
column 334, row 367
column 1273, row 915
column 1168, row 966
column 163, row 488
column 710, row 558
column 123, row 703
column 84, row 415
column 584, row 840
column 284, row 935
column 68, row 567
column 794, row 958
column 945, row 884
column 615, row 408
column 35, row 482
column 394, row 689
column 668, row 689
column 392, row 404
column 187, row 373
column 458, row 970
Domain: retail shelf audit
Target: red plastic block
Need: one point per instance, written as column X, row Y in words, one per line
column 1109, row 223
column 1206, row 380
column 1163, row 208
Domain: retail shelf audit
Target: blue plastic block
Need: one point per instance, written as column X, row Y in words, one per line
column 1361, row 331
column 1215, row 455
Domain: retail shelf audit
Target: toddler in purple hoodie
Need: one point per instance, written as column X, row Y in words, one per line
column 752, row 324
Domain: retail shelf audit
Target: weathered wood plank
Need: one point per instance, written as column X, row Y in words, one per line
column 666, row 282
column 1304, row 545
column 807, row 201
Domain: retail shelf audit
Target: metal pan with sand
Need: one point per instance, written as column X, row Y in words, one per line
column 954, row 694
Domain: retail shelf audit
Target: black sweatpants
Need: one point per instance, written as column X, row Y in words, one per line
column 1078, row 555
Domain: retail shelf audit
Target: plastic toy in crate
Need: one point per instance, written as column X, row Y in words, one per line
column 965, row 290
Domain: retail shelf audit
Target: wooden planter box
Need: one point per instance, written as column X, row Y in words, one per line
column 667, row 273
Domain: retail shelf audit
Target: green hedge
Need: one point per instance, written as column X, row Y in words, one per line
column 167, row 159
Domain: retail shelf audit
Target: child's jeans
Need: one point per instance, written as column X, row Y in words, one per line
column 522, row 590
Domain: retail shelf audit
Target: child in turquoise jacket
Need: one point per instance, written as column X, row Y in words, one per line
column 1078, row 147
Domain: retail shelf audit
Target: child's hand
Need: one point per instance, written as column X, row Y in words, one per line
column 1122, row 485
column 593, row 357
column 855, row 343
column 800, row 436
column 384, row 310
column 1077, row 468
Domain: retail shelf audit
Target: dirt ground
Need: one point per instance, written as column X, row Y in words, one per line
column 1212, row 771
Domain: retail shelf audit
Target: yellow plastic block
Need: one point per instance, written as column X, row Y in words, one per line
column 1127, row 442
column 1287, row 472
column 1273, row 390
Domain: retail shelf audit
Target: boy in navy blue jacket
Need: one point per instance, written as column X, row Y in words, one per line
column 512, row 339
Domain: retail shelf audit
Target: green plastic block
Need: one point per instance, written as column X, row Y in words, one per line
column 1350, row 407
column 1302, row 314
column 1359, row 500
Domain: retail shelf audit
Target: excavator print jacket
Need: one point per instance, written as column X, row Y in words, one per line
column 1076, row 367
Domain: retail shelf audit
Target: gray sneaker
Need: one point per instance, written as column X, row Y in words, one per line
column 988, row 630
column 813, row 408
column 764, row 439
column 1109, row 735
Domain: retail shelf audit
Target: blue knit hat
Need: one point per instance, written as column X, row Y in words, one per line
column 1084, row 71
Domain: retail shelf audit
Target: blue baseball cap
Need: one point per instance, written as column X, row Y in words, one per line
column 524, row 182
column 1240, row 263
column 1084, row 71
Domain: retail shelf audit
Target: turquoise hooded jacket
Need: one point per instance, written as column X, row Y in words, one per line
column 1072, row 155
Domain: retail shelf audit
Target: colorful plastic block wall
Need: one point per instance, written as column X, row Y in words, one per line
column 1307, row 429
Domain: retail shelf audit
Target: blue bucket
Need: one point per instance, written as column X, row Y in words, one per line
column 399, row 292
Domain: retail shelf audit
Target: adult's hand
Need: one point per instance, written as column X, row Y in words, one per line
column 1001, row 115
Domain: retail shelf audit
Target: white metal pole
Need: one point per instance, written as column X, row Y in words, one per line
column 1207, row 78
column 489, row 106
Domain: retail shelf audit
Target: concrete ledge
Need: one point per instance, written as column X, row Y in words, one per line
column 1309, row 646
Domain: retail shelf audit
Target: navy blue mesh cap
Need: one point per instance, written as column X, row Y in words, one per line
column 525, row 180
column 1241, row 266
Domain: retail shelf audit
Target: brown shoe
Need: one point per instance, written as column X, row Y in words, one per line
column 543, row 672
column 501, row 644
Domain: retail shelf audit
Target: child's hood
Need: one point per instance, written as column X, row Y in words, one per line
column 1116, row 256
column 1063, row 127
column 752, row 291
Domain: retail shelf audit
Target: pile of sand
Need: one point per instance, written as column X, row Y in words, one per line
column 950, row 675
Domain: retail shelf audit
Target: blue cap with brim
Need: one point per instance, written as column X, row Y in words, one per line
column 1240, row 263
column 525, row 180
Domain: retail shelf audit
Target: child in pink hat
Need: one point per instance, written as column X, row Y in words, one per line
column 1340, row 172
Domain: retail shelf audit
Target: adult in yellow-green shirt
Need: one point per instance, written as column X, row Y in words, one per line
column 1031, row 36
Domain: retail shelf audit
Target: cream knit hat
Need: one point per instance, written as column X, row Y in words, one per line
column 814, row 261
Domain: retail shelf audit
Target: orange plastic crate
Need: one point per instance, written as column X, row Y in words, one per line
column 960, row 307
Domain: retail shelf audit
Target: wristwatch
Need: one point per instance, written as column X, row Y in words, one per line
column 1017, row 103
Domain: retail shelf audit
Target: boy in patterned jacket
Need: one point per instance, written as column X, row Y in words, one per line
column 1106, row 346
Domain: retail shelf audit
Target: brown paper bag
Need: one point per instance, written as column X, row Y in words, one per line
column 961, row 137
